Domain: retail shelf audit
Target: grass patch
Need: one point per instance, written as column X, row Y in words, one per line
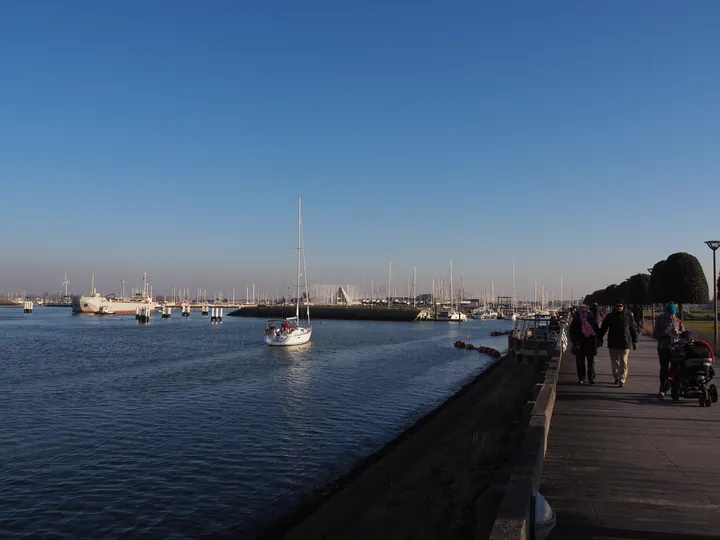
column 699, row 326
column 702, row 330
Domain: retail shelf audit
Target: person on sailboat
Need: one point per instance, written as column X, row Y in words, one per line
column 286, row 326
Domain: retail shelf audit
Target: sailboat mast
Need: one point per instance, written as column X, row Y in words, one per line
column 514, row 301
column 389, row 282
column 297, row 294
column 452, row 298
column 304, row 272
column 414, row 289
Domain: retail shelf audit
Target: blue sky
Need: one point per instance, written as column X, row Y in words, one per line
column 173, row 137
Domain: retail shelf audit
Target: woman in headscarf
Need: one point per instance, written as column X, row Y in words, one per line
column 583, row 335
column 666, row 331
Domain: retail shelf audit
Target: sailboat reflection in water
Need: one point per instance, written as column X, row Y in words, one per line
column 293, row 330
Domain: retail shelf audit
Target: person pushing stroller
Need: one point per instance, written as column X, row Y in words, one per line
column 691, row 370
column 667, row 332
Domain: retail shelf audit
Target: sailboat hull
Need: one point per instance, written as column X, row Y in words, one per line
column 451, row 316
column 301, row 336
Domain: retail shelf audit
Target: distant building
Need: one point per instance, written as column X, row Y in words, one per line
column 334, row 294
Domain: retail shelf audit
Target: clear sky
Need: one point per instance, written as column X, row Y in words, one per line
column 575, row 138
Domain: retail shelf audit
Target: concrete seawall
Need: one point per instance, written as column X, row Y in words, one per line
column 441, row 478
column 358, row 313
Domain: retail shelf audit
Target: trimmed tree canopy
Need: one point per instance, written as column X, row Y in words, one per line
column 639, row 289
column 685, row 281
column 658, row 290
column 594, row 298
column 679, row 279
column 612, row 295
column 623, row 292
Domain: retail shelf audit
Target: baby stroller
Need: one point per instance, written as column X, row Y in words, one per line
column 691, row 370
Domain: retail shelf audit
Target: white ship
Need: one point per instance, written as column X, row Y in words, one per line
column 97, row 303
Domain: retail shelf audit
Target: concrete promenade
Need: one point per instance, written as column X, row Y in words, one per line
column 622, row 463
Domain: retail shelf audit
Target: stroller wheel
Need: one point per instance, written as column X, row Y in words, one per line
column 708, row 402
column 701, row 400
column 712, row 391
column 675, row 391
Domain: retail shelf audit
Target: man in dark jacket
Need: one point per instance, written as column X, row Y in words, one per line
column 622, row 333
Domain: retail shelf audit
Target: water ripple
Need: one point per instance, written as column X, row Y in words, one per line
column 182, row 428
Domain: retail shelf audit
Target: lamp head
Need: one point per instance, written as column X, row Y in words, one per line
column 713, row 244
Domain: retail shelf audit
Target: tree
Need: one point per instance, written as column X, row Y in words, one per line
column 602, row 298
column 639, row 289
column 593, row 298
column 685, row 280
column 612, row 295
column 597, row 296
column 658, row 288
column 623, row 292
column 718, row 285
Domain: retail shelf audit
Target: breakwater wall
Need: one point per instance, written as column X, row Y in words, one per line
column 355, row 313
column 516, row 518
column 438, row 479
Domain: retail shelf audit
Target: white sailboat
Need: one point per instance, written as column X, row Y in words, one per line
column 451, row 315
column 293, row 331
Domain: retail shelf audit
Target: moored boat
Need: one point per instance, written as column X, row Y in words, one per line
column 96, row 301
column 292, row 331
column 451, row 316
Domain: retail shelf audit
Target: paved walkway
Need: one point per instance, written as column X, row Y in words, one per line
column 622, row 463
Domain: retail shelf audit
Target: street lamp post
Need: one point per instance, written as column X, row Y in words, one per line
column 714, row 245
column 652, row 307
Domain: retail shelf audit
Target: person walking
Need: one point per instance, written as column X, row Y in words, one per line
column 583, row 334
column 594, row 310
column 622, row 333
column 637, row 312
column 666, row 331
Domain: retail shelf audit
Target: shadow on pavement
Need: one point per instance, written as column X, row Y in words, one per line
column 592, row 532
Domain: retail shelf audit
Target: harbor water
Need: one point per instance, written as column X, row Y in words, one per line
column 183, row 428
